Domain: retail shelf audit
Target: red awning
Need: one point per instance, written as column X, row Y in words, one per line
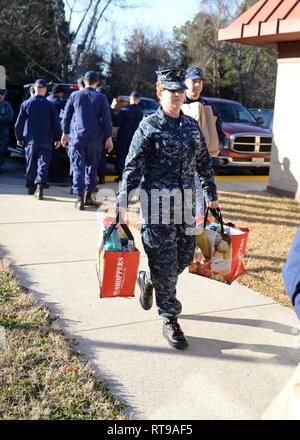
column 267, row 23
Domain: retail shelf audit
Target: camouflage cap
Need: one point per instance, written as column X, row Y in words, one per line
column 172, row 79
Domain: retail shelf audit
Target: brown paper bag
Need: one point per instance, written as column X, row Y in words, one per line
column 207, row 122
column 286, row 405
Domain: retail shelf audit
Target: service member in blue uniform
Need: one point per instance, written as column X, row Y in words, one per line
column 37, row 128
column 291, row 274
column 6, row 117
column 55, row 170
column 166, row 151
column 128, row 121
column 80, row 83
column 194, row 82
column 57, row 98
column 102, row 164
column 88, row 112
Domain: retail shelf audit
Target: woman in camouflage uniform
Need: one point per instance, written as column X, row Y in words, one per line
column 167, row 150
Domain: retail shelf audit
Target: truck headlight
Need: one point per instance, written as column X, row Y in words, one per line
column 226, row 144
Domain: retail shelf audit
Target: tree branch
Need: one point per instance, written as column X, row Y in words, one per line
column 35, row 62
column 97, row 23
column 82, row 21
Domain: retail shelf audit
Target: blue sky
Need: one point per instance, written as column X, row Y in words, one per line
column 164, row 13
column 154, row 15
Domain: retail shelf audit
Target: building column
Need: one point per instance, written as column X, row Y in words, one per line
column 285, row 161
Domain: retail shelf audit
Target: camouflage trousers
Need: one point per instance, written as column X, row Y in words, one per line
column 169, row 251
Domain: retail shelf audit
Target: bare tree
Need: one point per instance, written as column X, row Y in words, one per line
column 35, row 35
column 93, row 12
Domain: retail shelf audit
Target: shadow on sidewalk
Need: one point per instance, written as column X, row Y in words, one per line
column 256, row 323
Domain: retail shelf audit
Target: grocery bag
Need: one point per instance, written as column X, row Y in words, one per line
column 207, row 122
column 220, row 249
column 117, row 270
column 286, row 405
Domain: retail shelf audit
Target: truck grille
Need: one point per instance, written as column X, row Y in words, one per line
column 251, row 144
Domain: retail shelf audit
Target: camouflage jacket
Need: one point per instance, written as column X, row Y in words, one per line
column 6, row 114
column 168, row 153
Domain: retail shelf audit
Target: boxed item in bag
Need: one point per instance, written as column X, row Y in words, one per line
column 220, row 249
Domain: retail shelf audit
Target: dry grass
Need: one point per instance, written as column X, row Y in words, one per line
column 273, row 222
column 41, row 377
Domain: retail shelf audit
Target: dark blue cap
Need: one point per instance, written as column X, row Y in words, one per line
column 194, row 72
column 3, row 92
column 172, row 79
column 135, row 94
column 40, row 83
column 80, row 80
column 91, row 75
column 31, row 88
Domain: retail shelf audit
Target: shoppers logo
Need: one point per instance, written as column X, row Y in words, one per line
column 119, row 276
column 2, row 338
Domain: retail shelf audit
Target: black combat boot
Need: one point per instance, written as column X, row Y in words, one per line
column 39, row 192
column 174, row 334
column 31, row 188
column 79, row 204
column 146, row 297
column 90, row 199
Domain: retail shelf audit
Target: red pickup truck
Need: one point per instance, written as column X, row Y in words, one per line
column 248, row 144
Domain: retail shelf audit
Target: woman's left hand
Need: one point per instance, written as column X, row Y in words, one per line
column 213, row 204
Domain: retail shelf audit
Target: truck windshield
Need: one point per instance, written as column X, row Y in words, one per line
column 234, row 112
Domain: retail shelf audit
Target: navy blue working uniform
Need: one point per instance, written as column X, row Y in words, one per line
column 38, row 127
column 291, row 274
column 101, row 162
column 91, row 126
column 59, row 103
column 55, row 170
column 165, row 154
column 128, row 121
column 6, row 117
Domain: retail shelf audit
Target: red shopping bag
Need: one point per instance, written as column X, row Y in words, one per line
column 117, row 271
column 220, row 249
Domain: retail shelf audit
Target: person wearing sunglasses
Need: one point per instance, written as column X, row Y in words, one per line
column 166, row 151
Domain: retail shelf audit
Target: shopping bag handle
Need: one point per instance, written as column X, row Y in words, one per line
column 113, row 226
column 217, row 215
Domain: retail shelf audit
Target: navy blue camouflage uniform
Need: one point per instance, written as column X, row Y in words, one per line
column 38, row 126
column 167, row 153
column 6, row 116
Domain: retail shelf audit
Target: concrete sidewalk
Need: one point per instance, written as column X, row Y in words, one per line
column 243, row 346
